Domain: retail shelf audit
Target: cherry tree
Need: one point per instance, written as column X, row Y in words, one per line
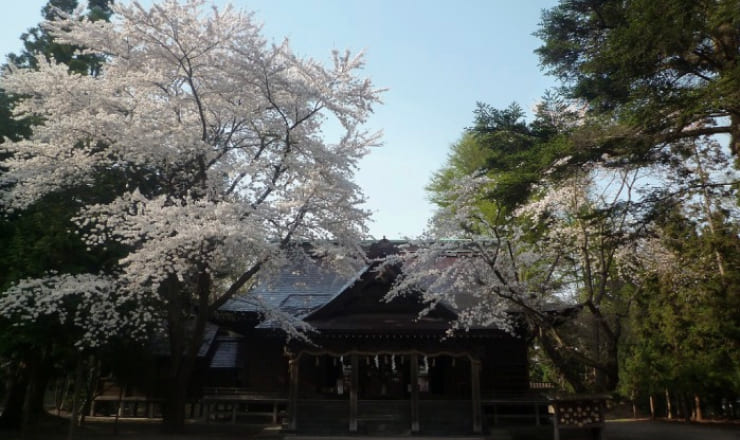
column 551, row 265
column 217, row 139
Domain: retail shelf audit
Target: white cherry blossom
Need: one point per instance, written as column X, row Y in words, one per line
column 217, row 137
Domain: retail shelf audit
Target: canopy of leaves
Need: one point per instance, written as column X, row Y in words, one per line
column 665, row 69
column 213, row 139
column 683, row 335
column 516, row 155
column 37, row 42
column 656, row 81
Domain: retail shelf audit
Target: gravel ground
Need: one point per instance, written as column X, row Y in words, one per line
column 659, row 430
column 615, row 430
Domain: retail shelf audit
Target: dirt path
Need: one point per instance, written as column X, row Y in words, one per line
column 647, row 430
column 137, row 430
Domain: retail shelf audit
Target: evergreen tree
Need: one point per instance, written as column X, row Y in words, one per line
column 40, row 239
column 657, row 71
column 683, row 334
column 530, row 209
column 659, row 81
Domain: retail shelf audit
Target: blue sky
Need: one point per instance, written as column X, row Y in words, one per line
column 436, row 57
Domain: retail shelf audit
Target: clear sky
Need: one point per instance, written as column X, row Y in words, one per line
column 436, row 57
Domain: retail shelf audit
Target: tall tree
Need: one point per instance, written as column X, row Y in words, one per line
column 665, row 70
column 683, row 337
column 38, row 43
column 547, row 238
column 501, row 142
column 224, row 131
column 40, row 240
column 660, row 82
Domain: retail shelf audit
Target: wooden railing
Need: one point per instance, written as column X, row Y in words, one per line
column 229, row 402
column 541, row 386
column 526, row 407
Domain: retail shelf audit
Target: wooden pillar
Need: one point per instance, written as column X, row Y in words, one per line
column 353, row 392
column 475, row 385
column 414, row 366
column 293, row 393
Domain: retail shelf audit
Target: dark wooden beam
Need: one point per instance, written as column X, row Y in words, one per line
column 354, row 387
column 476, row 398
column 414, row 366
column 293, row 364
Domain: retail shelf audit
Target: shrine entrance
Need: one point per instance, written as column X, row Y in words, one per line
column 383, row 392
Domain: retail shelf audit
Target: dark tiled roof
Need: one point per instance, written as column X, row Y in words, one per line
column 311, row 293
column 295, row 290
column 225, row 354
column 298, row 304
column 160, row 345
column 208, row 337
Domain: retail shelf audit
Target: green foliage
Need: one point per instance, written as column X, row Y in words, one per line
column 648, row 83
column 467, row 156
column 666, row 69
column 528, row 168
column 10, row 127
column 42, row 238
column 37, row 41
column 512, row 156
column 683, row 334
column 660, row 78
column 503, row 146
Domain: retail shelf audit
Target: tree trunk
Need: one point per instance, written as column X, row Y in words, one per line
column 611, row 366
column 12, row 416
column 735, row 134
column 65, row 393
column 173, row 411
column 91, row 385
column 684, row 403
column 565, row 368
column 58, row 393
column 29, row 418
column 33, row 401
column 184, row 346
column 652, row 407
column 41, row 379
column 669, row 409
column 697, row 404
column 174, row 408
column 118, row 406
column 26, row 390
column 76, row 399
